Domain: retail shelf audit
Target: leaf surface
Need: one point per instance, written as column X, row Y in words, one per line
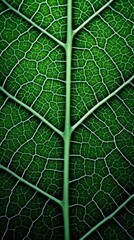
column 67, row 145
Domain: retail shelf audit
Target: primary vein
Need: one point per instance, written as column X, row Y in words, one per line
column 31, row 185
column 67, row 131
column 34, row 24
column 32, row 111
column 101, row 102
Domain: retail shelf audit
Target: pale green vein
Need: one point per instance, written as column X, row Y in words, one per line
column 107, row 218
column 101, row 102
column 91, row 17
column 31, row 185
column 34, row 24
column 32, row 111
column 67, row 132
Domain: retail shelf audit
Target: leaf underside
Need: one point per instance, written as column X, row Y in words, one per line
column 33, row 115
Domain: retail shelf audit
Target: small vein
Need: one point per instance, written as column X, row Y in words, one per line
column 108, row 217
column 91, row 17
column 32, row 111
column 34, row 24
column 101, row 102
column 31, row 185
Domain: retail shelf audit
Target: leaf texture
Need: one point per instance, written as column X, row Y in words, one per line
column 67, row 125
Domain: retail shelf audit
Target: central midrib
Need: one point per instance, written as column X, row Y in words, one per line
column 67, row 130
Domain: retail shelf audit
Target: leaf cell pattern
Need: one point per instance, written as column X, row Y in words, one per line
column 67, row 145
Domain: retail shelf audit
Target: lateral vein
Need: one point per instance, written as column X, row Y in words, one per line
column 32, row 111
column 34, row 24
column 31, row 185
column 101, row 102
column 107, row 218
column 91, row 17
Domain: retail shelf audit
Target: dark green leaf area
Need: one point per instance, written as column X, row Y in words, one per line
column 33, row 69
column 11, row 27
column 124, row 8
column 104, row 77
column 119, row 18
column 50, row 102
column 50, row 15
column 90, row 213
column 103, row 51
column 113, row 33
column 90, row 142
column 117, row 114
column 91, row 205
column 116, row 228
column 82, row 10
column 101, row 170
column 122, row 172
column 109, row 132
column 126, row 218
column 30, row 149
column 26, row 214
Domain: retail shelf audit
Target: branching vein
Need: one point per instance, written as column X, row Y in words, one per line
column 108, row 217
column 91, row 17
column 31, row 185
column 32, row 111
column 34, row 24
column 101, row 102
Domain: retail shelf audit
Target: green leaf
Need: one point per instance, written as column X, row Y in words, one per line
column 67, row 145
